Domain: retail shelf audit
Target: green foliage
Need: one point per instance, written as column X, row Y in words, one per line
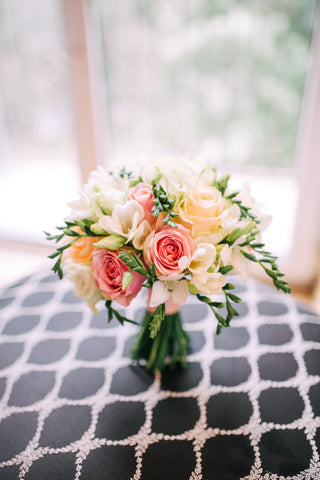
column 133, row 262
column 66, row 230
column 268, row 263
column 157, row 318
column 223, row 321
column 112, row 312
column 162, row 203
column 258, row 255
column 135, row 182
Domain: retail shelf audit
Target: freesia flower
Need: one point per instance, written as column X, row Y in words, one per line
column 208, row 283
column 171, row 250
column 81, row 208
column 141, row 235
column 104, row 201
column 162, row 291
column 124, row 220
column 203, row 258
column 232, row 256
column 108, row 272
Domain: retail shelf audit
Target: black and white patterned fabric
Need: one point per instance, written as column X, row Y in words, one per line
column 73, row 407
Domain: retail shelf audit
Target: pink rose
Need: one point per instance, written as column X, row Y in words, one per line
column 170, row 249
column 108, row 271
column 143, row 194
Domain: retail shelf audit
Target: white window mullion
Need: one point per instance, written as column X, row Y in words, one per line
column 83, row 77
column 305, row 252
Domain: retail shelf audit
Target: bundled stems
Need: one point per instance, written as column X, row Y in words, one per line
column 171, row 341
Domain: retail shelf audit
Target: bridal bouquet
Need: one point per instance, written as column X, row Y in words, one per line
column 170, row 227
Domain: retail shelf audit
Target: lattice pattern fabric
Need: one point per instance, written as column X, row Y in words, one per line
column 73, row 407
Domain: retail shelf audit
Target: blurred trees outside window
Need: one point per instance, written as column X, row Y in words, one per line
column 219, row 78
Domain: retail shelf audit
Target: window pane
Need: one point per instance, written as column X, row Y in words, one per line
column 222, row 78
column 38, row 172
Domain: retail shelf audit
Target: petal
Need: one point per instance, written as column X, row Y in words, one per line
column 180, row 292
column 209, row 283
column 202, row 258
column 141, row 234
column 225, row 255
column 128, row 215
column 111, row 225
column 183, row 262
column 159, row 294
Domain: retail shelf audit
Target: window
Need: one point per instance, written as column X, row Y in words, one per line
column 38, row 168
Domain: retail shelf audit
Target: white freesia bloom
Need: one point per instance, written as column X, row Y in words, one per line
column 107, row 200
column 141, row 234
column 85, row 286
column 81, row 208
column 162, row 291
column 225, row 255
column 125, row 220
column 177, row 175
column 232, row 256
column 209, row 283
column 241, row 265
column 102, row 180
column 203, row 257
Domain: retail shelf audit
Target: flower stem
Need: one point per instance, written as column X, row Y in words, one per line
column 171, row 341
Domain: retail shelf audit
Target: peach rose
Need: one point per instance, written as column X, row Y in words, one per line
column 202, row 209
column 170, row 249
column 81, row 251
column 143, row 194
column 108, row 271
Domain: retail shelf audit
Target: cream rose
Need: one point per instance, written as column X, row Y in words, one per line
column 202, row 209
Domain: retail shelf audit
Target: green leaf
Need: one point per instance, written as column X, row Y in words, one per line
column 156, row 321
column 152, row 272
column 134, row 262
column 53, row 255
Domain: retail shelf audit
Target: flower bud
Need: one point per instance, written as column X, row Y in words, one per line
column 112, row 242
column 95, row 228
column 126, row 279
